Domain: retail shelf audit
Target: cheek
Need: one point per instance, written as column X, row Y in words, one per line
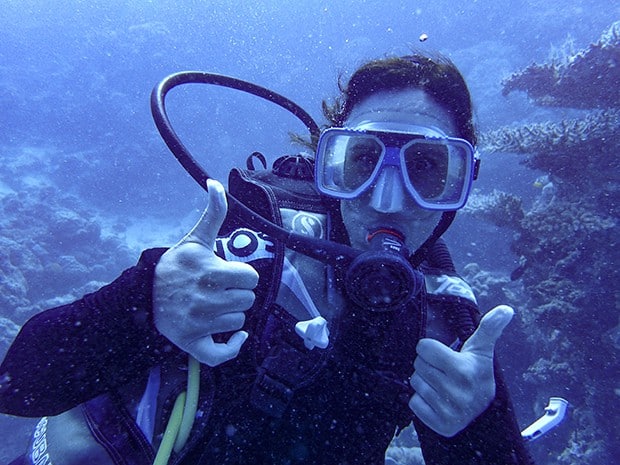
column 417, row 230
column 353, row 217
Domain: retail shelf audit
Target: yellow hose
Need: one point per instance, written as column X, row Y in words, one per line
column 191, row 402
column 182, row 417
column 172, row 430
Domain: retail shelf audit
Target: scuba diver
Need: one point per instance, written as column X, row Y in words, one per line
column 237, row 345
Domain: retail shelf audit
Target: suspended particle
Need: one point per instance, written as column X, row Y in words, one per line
column 423, row 37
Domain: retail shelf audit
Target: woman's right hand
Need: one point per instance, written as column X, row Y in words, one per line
column 197, row 294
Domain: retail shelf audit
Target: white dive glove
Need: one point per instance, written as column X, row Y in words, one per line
column 197, row 294
column 453, row 388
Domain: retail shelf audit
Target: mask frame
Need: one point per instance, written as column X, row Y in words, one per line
column 334, row 153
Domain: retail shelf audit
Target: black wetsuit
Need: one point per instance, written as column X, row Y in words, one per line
column 344, row 409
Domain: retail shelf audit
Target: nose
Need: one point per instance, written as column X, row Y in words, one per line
column 388, row 193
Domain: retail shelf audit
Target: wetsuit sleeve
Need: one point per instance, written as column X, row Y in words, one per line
column 67, row 355
column 492, row 438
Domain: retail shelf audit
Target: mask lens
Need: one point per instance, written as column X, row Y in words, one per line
column 427, row 168
column 347, row 162
column 361, row 160
column 436, row 170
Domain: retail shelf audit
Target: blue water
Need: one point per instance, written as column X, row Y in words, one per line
column 76, row 131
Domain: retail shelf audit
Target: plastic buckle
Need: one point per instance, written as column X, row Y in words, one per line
column 271, row 396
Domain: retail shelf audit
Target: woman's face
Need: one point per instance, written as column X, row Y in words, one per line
column 387, row 204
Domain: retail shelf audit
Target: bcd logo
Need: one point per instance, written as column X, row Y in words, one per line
column 307, row 224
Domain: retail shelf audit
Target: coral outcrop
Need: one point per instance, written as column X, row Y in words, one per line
column 571, row 151
column 52, row 251
column 572, row 134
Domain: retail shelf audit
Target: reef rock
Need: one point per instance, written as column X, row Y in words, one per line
column 8, row 331
column 52, row 245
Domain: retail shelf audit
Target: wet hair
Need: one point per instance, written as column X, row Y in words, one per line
column 437, row 76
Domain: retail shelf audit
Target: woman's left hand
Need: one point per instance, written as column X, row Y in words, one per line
column 453, row 388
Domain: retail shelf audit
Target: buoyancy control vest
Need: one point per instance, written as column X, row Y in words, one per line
column 352, row 395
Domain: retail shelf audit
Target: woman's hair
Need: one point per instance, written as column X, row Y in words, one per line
column 438, row 77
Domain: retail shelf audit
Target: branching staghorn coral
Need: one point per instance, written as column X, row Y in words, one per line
column 572, row 151
column 571, row 134
column 562, row 222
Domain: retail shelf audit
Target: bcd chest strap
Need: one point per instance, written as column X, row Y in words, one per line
column 286, row 365
column 113, row 427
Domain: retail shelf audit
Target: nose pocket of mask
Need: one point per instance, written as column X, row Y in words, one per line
column 388, row 192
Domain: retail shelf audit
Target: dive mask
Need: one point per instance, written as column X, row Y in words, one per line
column 437, row 171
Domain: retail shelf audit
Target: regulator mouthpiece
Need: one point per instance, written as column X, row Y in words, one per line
column 382, row 279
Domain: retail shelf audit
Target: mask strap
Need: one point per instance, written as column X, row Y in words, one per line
column 444, row 223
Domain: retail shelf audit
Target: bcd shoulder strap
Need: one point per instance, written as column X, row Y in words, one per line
column 288, row 185
column 279, row 353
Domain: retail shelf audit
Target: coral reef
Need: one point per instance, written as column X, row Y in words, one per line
column 570, row 279
column 52, row 243
column 568, row 245
column 405, row 449
column 491, row 287
column 51, row 246
column 500, row 208
column 404, row 456
column 572, row 152
column 589, row 78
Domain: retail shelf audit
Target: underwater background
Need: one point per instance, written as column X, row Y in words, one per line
column 86, row 182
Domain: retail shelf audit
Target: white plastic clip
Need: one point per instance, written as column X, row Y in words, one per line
column 314, row 332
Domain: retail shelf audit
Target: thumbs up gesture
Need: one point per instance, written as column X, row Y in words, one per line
column 197, row 294
column 453, row 388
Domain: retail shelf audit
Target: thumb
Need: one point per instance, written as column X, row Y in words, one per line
column 206, row 229
column 212, row 353
column 482, row 342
